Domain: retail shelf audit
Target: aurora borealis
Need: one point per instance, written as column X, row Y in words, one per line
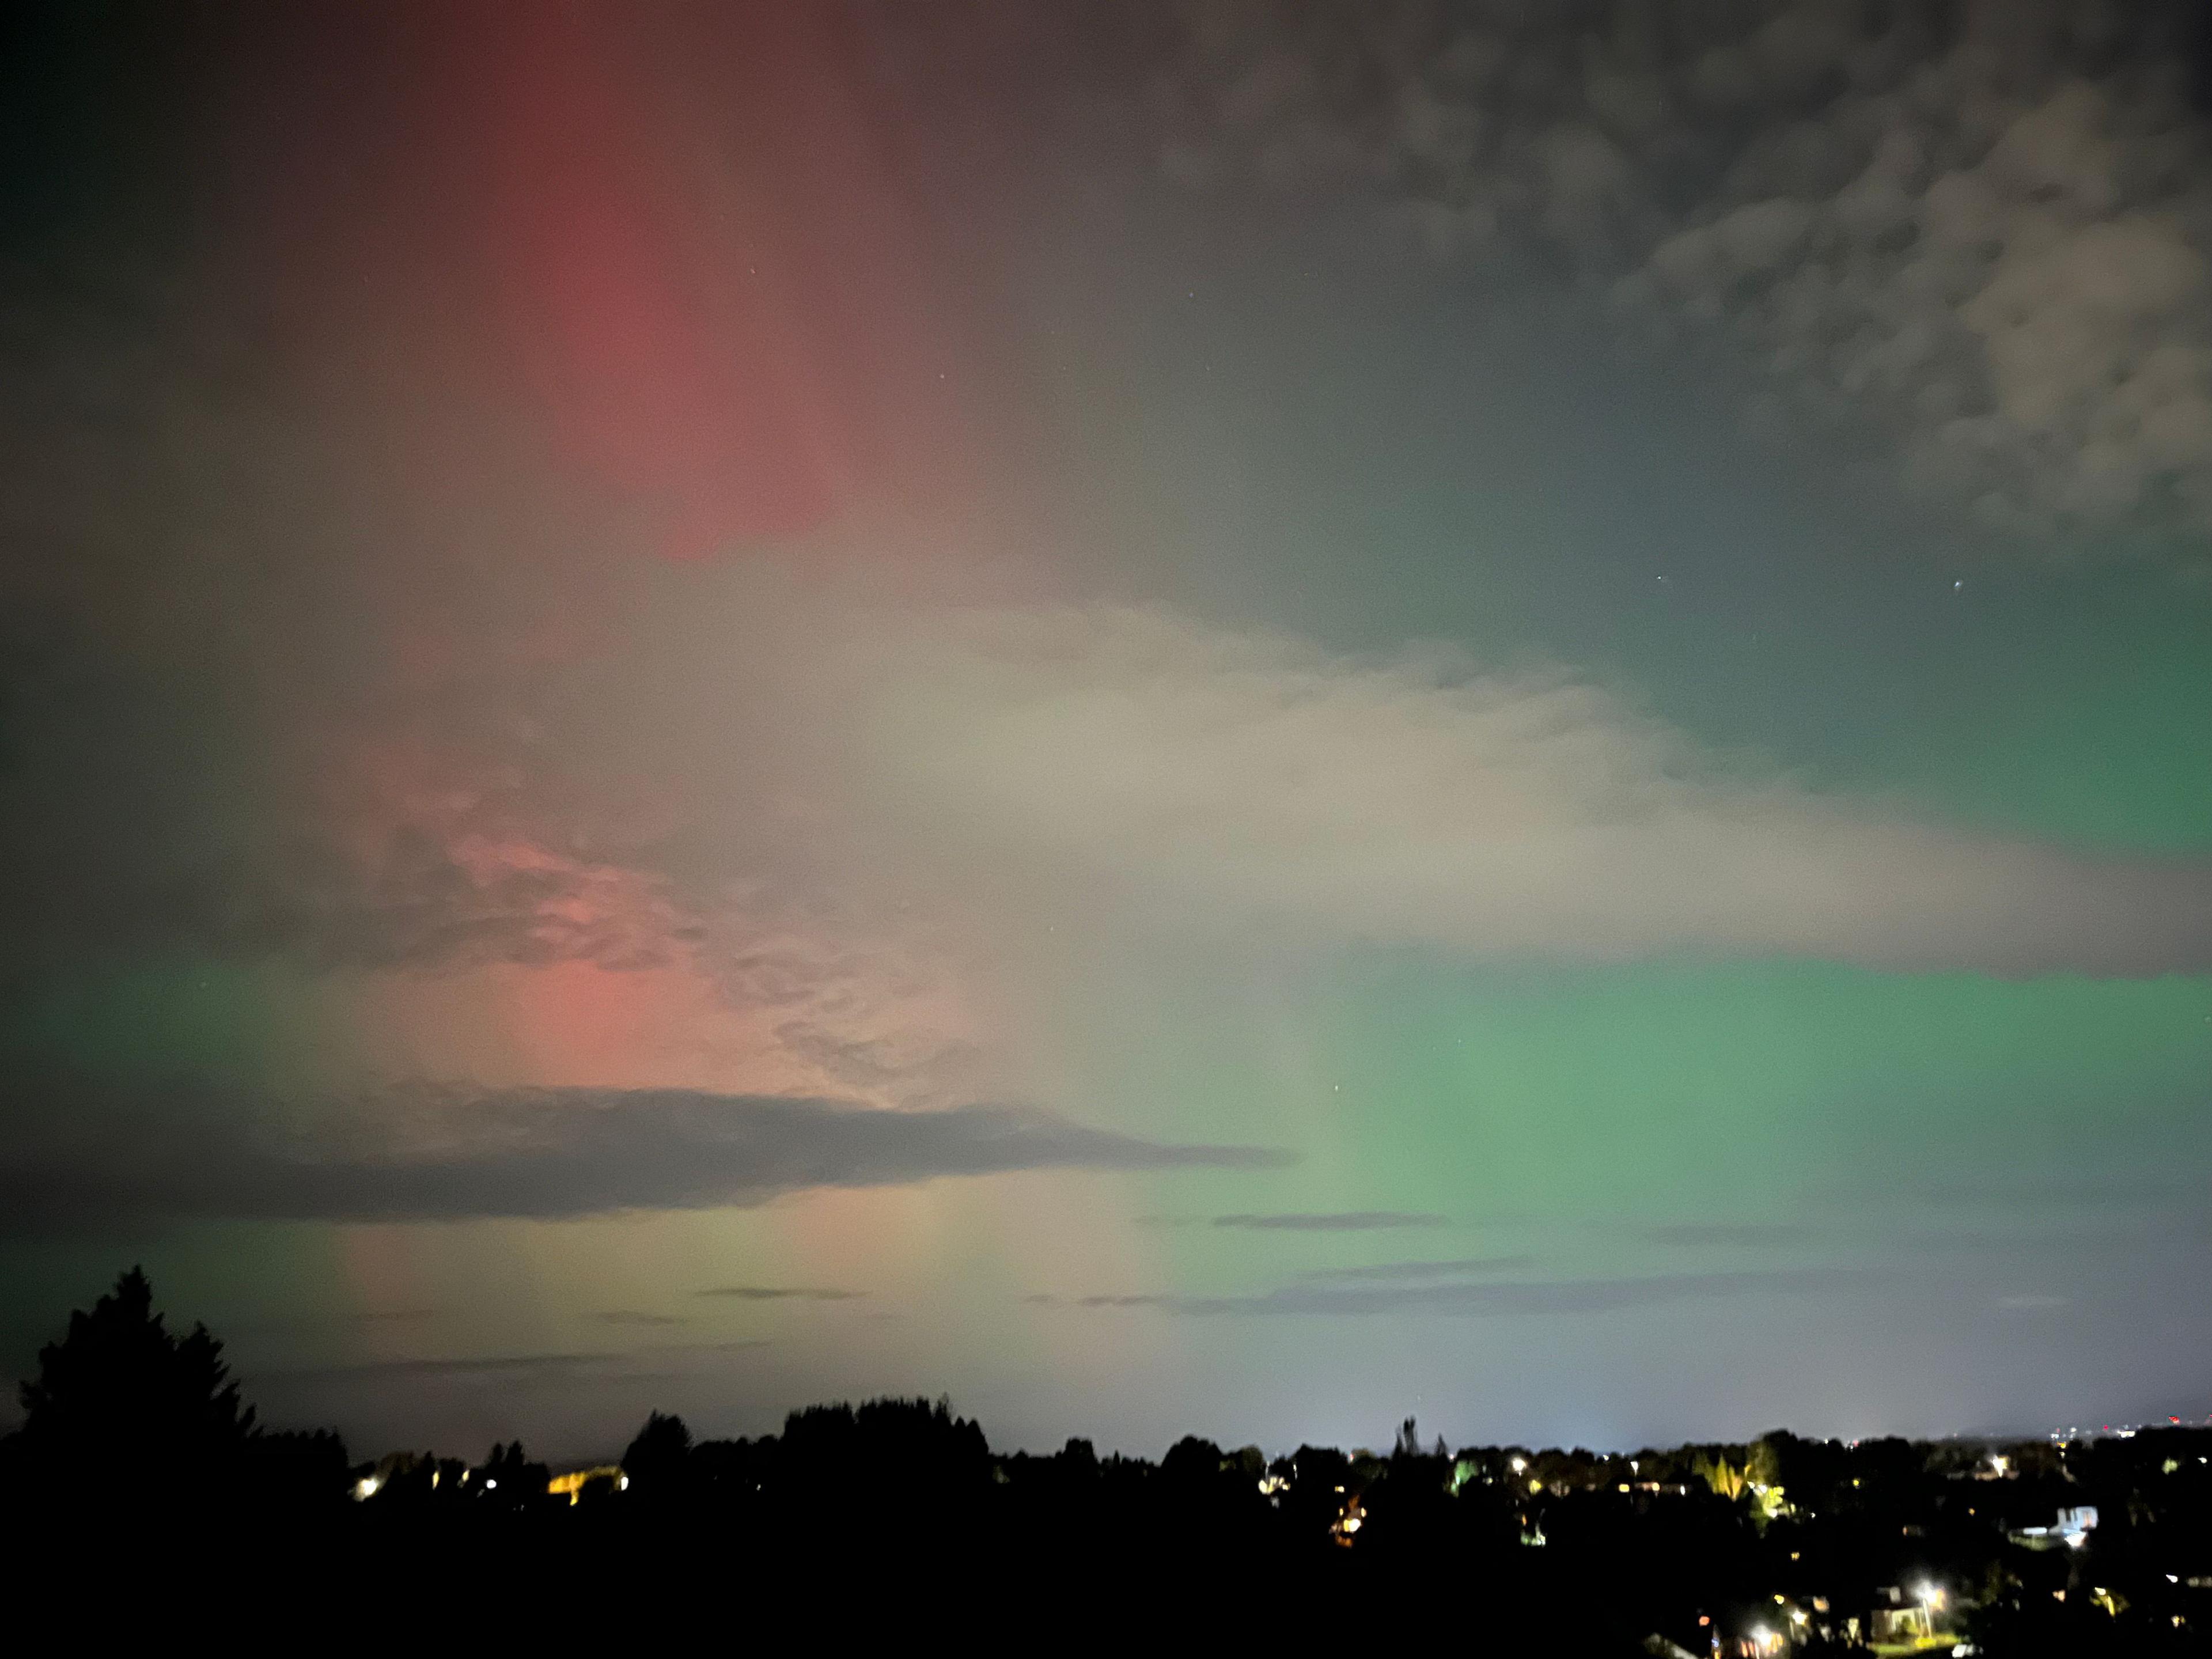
column 1225, row 720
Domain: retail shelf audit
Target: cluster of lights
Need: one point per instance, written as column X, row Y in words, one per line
column 370, row 1485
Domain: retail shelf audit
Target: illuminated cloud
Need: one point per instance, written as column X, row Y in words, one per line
column 1981, row 228
column 1153, row 766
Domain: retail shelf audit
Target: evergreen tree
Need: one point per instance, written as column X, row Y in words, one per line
column 122, row 1407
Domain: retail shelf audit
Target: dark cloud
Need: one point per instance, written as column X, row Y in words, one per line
column 1485, row 1300
column 1416, row 1270
column 1981, row 227
column 1898, row 1242
column 1340, row 1221
column 496, row 1365
column 633, row 1316
column 518, row 1367
column 1748, row 1235
column 781, row 1293
column 432, row 1154
column 2118, row 1195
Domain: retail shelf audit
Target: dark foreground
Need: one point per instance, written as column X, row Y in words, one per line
column 140, row 1486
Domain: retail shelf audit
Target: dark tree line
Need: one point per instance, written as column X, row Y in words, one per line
column 133, row 1433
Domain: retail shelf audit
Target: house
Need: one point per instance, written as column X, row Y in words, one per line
column 2072, row 1529
column 579, row 1484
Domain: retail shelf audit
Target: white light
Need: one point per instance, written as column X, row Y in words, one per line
column 489, row 1485
column 1518, row 1465
column 621, row 1483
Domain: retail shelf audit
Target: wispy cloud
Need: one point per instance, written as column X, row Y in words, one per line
column 520, row 1368
column 1746, row 1235
column 1333, row 1221
column 467, row 1365
column 781, row 1293
column 632, row 1317
column 1482, row 1300
column 1462, row 1266
column 1254, row 779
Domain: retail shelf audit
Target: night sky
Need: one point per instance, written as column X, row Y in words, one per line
column 1230, row 719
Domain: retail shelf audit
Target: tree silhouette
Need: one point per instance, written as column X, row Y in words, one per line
column 123, row 1409
column 657, row 1460
column 510, row 1480
column 1192, row 1463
